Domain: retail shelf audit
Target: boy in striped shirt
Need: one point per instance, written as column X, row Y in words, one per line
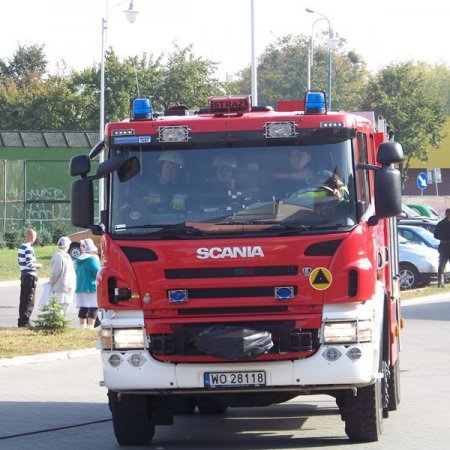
column 28, row 277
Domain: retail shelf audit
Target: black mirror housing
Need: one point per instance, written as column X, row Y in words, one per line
column 82, row 203
column 80, row 165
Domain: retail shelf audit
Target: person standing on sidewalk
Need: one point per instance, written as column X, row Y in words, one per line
column 442, row 233
column 62, row 278
column 86, row 267
column 28, row 277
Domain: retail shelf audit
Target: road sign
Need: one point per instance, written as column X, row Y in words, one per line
column 422, row 180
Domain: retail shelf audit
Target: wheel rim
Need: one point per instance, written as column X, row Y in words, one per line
column 407, row 279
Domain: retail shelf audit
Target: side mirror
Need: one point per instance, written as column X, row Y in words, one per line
column 80, row 165
column 390, row 153
column 82, row 203
column 129, row 169
column 388, row 192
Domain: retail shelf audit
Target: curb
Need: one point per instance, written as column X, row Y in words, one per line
column 46, row 357
column 71, row 354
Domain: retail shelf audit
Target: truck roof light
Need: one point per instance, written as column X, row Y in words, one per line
column 332, row 124
column 315, row 102
column 173, row 134
column 233, row 104
column 142, row 109
column 280, row 129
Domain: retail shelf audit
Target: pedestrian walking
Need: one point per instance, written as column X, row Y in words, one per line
column 28, row 277
column 86, row 267
column 62, row 278
column 442, row 232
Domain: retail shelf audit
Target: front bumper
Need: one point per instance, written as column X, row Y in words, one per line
column 313, row 373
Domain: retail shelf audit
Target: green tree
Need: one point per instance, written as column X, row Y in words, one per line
column 28, row 63
column 399, row 93
column 437, row 79
column 283, row 73
column 187, row 79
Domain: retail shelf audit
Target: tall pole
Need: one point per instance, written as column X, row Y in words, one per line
column 310, row 52
column 131, row 17
column 101, row 185
column 330, row 34
column 254, row 69
column 311, row 48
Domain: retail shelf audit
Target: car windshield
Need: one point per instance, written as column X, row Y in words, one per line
column 235, row 191
column 410, row 212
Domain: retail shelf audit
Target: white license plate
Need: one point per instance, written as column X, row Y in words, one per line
column 234, row 379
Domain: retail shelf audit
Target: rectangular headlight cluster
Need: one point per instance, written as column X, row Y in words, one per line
column 122, row 338
column 348, row 332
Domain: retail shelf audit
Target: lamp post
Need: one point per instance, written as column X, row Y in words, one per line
column 130, row 14
column 254, row 77
column 331, row 46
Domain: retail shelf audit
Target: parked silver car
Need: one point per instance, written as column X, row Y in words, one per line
column 418, row 264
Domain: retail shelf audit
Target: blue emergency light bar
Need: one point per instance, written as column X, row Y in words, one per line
column 142, row 109
column 315, row 102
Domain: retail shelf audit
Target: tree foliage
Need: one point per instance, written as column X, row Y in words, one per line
column 413, row 97
column 399, row 92
column 283, row 73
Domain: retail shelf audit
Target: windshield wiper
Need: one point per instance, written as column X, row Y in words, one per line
column 166, row 229
column 286, row 225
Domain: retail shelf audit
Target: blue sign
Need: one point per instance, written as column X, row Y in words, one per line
column 422, row 180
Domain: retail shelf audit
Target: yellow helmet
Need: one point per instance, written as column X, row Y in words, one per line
column 173, row 157
column 225, row 160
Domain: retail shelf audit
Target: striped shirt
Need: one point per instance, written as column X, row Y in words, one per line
column 26, row 259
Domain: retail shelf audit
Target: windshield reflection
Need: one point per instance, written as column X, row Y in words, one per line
column 236, row 191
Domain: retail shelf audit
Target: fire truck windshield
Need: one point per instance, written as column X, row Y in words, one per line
column 237, row 191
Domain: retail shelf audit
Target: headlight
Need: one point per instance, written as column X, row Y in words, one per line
column 347, row 332
column 122, row 338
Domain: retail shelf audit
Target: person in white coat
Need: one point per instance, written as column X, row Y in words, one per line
column 62, row 278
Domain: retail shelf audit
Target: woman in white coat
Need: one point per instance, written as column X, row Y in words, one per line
column 63, row 279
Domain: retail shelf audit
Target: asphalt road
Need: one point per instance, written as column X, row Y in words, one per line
column 9, row 304
column 59, row 405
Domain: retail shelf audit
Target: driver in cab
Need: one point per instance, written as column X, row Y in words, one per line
column 300, row 180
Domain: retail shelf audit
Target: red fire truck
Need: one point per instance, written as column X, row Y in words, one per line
column 248, row 256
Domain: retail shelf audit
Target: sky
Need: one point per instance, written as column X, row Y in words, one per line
column 381, row 31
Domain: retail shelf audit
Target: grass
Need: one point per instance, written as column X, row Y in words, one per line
column 24, row 341
column 9, row 270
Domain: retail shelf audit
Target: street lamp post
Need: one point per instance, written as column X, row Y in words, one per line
column 254, row 77
column 130, row 14
column 331, row 43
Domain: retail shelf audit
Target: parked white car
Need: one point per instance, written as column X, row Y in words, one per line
column 418, row 264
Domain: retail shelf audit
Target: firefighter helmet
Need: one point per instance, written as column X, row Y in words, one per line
column 173, row 157
column 225, row 160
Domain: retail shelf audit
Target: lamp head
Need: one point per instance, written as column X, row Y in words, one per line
column 309, row 10
column 131, row 13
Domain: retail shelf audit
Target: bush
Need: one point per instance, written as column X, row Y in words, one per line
column 13, row 236
column 44, row 237
column 60, row 228
column 51, row 320
column 2, row 241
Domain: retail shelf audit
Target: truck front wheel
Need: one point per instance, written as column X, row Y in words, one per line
column 363, row 413
column 133, row 418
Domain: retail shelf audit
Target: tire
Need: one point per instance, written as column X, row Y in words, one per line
column 409, row 276
column 133, row 419
column 363, row 413
column 207, row 405
column 74, row 250
column 394, row 386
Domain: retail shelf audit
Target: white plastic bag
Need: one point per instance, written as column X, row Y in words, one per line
column 46, row 294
